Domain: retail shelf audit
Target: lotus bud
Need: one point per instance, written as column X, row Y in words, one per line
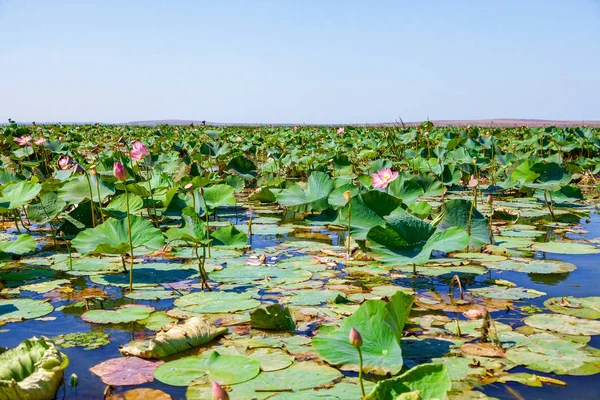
column 497, row 231
column 347, row 195
column 218, row 393
column 189, row 187
column 202, row 191
column 63, row 163
column 490, row 199
column 355, row 338
column 120, row 172
column 473, row 183
column 92, row 170
column 73, row 380
column 474, row 160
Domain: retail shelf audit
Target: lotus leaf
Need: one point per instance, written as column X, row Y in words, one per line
column 124, row 371
column 121, row 315
column 14, row 310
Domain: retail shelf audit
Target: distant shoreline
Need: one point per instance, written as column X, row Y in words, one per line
column 501, row 122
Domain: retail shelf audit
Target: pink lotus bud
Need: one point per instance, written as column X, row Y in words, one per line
column 473, row 183
column 218, row 393
column 490, row 199
column 139, row 151
column 355, row 338
column 120, row 172
column 64, row 162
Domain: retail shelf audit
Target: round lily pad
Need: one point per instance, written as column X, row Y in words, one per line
column 157, row 320
column 482, row 257
column 216, row 302
column 249, row 274
column 533, row 266
column 583, row 307
column 21, row 309
column 45, row 287
column 566, row 248
column 87, row 340
column 564, row 324
column 507, row 293
column 123, row 371
column 225, row 369
column 272, row 359
column 121, row 315
column 152, row 295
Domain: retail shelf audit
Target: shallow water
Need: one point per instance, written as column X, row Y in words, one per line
column 582, row 282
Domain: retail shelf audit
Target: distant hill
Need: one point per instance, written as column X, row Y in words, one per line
column 503, row 122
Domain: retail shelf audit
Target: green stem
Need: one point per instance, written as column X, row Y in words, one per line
column 130, row 241
column 99, row 197
column 70, row 256
column 360, row 372
column 87, row 177
column 348, row 244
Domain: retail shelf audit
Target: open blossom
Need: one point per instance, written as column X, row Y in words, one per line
column 340, row 130
column 39, row 141
column 139, row 151
column 64, row 163
column 120, row 172
column 383, row 178
column 295, row 127
column 24, row 140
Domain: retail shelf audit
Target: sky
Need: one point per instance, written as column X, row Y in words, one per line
column 298, row 61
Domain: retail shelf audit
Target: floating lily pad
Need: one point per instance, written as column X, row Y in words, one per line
column 21, row 309
column 564, row 324
column 125, row 371
column 583, row 307
column 249, row 274
column 87, row 340
column 273, row 317
column 267, row 230
column 504, row 293
column 315, row 297
column 272, row 359
column 216, row 302
column 152, row 295
column 533, row 266
column 225, row 369
column 158, row 320
column 121, row 315
column 566, row 248
column 45, row 287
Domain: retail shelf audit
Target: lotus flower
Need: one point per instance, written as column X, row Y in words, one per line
column 355, row 338
column 383, row 178
column 24, row 140
column 218, row 393
column 120, row 172
column 139, row 151
column 39, row 141
column 64, row 163
column 295, row 127
column 340, row 130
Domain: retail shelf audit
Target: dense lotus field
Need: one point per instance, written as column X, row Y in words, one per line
column 305, row 262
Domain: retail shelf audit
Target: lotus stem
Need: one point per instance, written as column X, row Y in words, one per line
column 207, row 223
column 348, row 239
column 456, row 279
column 99, row 198
column 153, row 216
column 458, row 331
column 360, row 372
column 549, row 205
column 70, row 255
column 130, row 241
column 89, row 182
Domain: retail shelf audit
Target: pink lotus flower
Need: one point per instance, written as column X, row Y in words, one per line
column 238, row 139
column 383, row 178
column 295, row 128
column 24, row 140
column 139, row 151
column 64, row 163
column 218, row 393
column 340, row 130
column 39, row 141
column 120, row 172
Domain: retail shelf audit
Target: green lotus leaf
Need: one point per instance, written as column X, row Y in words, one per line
column 111, row 237
column 431, row 381
column 565, row 248
column 87, row 340
column 77, row 189
column 368, row 210
column 191, row 333
column 121, row 315
column 48, row 207
column 216, row 302
column 18, row 194
column 14, row 310
column 251, row 274
column 504, row 293
column 296, row 379
column 408, row 240
column 456, row 214
column 272, row 317
column 582, row 307
column 243, row 166
column 126, row 371
column 217, row 196
column 23, row 244
column 33, row 370
column 564, row 324
column 225, row 369
column 117, row 207
column 314, row 198
column 230, row 237
column 380, row 325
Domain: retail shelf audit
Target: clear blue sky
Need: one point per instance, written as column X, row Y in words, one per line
column 313, row 61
